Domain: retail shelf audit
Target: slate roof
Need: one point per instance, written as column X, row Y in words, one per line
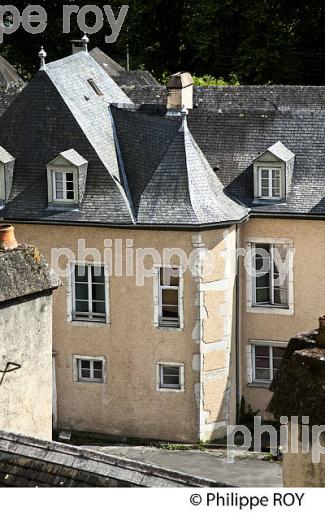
column 147, row 168
column 174, row 184
column 24, row 272
column 59, row 110
column 27, row 462
column 120, row 75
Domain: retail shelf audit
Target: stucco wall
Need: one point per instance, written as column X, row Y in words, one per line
column 128, row 403
column 26, row 393
column 308, row 238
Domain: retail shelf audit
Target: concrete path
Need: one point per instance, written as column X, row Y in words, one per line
column 247, row 470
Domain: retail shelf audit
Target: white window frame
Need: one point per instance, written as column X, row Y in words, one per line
column 251, row 306
column 251, row 377
column 64, row 183
column 159, row 371
column 76, row 369
column 157, row 294
column 270, row 169
column 72, row 300
column 52, row 170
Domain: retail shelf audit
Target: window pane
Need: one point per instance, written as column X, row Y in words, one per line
column 98, row 365
column 169, row 277
column 81, row 273
column 99, row 308
column 171, row 376
column 59, row 195
column 81, row 291
column 59, row 176
column 98, row 292
column 69, row 177
column 82, row 306
column 262, row 351
column 85, row 364
column 85, row 373
column 262, row 295
column 97, row 274
column 278, row 352
column 262, row 362
column 262, row 374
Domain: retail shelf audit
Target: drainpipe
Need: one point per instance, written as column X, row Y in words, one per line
column 238, row 328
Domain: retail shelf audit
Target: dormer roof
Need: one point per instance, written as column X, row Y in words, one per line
column 280, row 152
column 72, row 157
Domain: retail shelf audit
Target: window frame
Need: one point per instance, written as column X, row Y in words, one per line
column 157, row 294
column 77, row 359
column 271, row 287
column 250, row 279
column 260, row 165
column 270, row 170
column 270, row 345
column 64, row 203
column 65, row 199
column 87, row 319
column 170, row 388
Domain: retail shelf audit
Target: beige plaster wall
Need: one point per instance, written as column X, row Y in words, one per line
column 309, row 292
column 129, row 404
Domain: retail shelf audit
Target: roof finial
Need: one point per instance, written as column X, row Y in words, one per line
column 85, row 41
column 42, row 55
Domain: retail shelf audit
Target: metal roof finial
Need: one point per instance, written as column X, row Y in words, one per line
column 42, row 55
column 85, row 40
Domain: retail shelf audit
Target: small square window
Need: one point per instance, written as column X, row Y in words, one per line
column 170, row 377
column 90, row 370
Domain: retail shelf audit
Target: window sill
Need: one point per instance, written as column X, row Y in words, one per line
column 62, row 207
column 270, row 309
column 169, row 329
column 77, row 323
column 259, row 384
column 89, row 382
column 171, row 390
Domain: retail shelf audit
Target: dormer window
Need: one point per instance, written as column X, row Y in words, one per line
column 7, row 163
column 270, row 183
column 66, row 176
column 273, row 172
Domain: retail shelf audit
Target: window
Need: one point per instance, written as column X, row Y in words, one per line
column 270, row 283
column 169, row 305
column 63, row 187
column 266, row 360
column 89, row 293
column 89, row 370
column 270, row 181
column 170, row 376
column 95, row 87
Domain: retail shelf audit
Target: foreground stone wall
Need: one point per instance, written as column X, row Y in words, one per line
column 26, row 344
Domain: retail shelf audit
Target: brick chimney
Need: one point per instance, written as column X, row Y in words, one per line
column 180, row 91
column 80, row 45
column 7, row 237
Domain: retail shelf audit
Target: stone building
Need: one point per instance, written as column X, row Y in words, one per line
column 26, row 286
column 226, row 174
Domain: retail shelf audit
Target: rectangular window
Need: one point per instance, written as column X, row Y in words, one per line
column 170, row 376
column 89, row 293
column 169, row 295
column 266, row 361
column 270, row 183
column 63, row 187
column 270, row 280
column 90, row 370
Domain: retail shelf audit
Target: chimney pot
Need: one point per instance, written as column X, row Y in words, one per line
column 8, row 240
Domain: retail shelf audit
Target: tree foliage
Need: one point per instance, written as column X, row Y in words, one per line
column 258, row 41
